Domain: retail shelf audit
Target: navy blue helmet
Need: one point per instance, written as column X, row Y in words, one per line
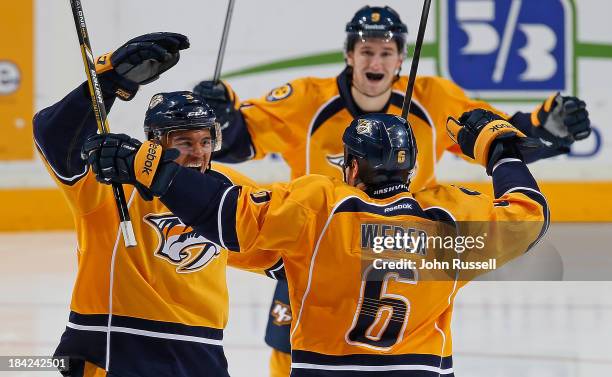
column 181, row 110
column 384, row 147
column 376, row 22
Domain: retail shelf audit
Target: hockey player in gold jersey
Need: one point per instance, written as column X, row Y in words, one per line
column 303, row 120
column 158, row 309
column 351, row 318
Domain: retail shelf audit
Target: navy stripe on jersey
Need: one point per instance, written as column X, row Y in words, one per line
column 369, row 365
column 210, row 193
column 514, row 176
column 88, row 345
column 83, row 321
column 140, row 356
column 277, row 271
column 219, row 175
column 511, row 174
column 61, row 129
column 299, row 356
column 203, row 213
column 331, row 109
column 227, row 236
column 88, row 319
column 298, row 372
column 58, row 171
column 226, row 219
column 403, row 206
column 156, row 356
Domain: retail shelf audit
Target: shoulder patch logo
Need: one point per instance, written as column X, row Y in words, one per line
column 260, row 197
column 281, row 313
column 279, row 93
column 180, row 245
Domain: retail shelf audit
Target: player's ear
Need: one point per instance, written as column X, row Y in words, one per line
column 399, row 62
column 353, row 172
column 349, row 58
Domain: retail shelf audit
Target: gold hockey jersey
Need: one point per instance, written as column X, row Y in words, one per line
column 350, row 315
column 304, row 121
column 157, row 309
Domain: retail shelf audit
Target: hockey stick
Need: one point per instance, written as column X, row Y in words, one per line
column 221, row 54
column 97, row 102
column 415, row 60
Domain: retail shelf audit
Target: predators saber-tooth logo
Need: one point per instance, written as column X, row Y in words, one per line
column 336, row 160
column 364, row 126
column 181, row 245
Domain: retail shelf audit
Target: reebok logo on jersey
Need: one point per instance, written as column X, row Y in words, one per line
column 180, row 245
column 398, row 207
column 146, row 162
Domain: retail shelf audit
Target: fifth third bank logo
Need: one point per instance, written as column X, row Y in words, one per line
column 508, row 48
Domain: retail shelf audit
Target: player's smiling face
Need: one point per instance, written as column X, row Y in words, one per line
column 195, row 146
column 375, row 63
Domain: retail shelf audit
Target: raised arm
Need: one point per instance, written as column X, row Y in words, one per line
column 61, row 129
column 518, row 216
column 556, row 124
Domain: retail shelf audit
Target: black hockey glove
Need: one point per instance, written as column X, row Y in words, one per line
column 221, row 98
column 139, row 61
column 118, row 158
column 485, row 136
column 560, row 121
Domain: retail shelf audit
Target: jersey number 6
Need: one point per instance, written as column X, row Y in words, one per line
column 381, row 317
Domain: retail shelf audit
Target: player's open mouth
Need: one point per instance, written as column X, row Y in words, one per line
column 194, row 166
column 374, row 76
